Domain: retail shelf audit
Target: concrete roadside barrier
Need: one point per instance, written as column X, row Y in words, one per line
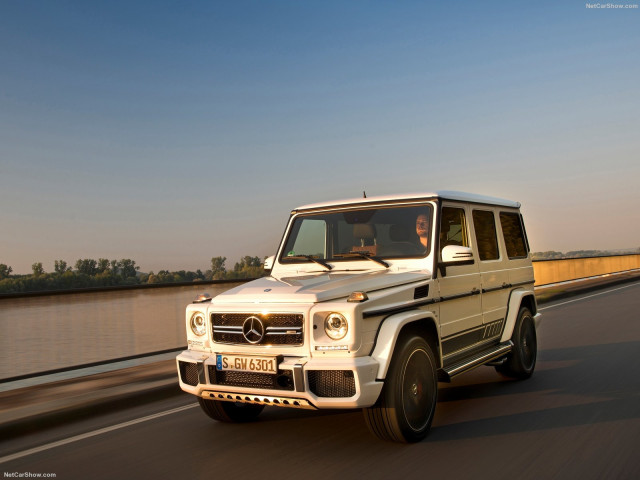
column 567, row 269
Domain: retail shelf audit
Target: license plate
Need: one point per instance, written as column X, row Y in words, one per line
column 242, row 363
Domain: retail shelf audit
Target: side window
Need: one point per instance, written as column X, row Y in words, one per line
column 513, row 232
column 453, row 227
column 484, row 225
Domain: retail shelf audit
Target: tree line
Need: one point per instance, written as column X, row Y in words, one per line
column 553, row 255
column 88, row 273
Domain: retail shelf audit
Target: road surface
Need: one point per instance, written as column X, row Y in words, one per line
column 577, row 417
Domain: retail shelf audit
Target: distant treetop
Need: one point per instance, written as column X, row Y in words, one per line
column 90, row 273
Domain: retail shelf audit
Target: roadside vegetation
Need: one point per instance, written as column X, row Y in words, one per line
column 553, row 255
column 90, row 273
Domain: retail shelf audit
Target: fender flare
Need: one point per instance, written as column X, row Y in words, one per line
column 388, row 335
column 515, row 301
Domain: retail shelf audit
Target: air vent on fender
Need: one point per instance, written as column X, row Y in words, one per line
column 421, row 292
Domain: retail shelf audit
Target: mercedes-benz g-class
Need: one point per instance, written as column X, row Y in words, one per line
column 370, row 302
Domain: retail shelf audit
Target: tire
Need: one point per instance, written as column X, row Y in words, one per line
column 521, row 362
column 230, row 412
column 404, row 411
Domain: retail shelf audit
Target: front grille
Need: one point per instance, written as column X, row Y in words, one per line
column 279, row 328
column 282, row 381
column 189, row 373
column 332, row 383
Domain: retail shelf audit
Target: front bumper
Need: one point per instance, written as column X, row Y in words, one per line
column 301, row 382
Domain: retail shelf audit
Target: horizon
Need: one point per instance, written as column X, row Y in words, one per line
column 231, row 262
column 169, row 133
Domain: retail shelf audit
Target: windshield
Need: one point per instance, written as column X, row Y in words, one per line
column 382, row 232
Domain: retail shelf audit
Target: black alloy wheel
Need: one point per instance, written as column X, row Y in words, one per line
column 406, row 406
column 521, row 362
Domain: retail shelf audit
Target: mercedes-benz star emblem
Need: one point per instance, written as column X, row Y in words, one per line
column 253, row 330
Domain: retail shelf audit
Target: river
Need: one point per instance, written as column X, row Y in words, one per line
column 42, row 333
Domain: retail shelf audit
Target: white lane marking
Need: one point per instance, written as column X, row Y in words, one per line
column 100, row 431
column 588, row 296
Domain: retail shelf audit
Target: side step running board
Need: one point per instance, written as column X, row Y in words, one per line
column 447, row 373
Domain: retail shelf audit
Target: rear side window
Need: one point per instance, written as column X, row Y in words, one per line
column 513, row 232
column 484, row 225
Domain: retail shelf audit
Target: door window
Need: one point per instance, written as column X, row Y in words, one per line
column 453, row 227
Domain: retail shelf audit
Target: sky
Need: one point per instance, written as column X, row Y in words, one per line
column 171, row 132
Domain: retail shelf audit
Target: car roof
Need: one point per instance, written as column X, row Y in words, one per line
column 441, row 194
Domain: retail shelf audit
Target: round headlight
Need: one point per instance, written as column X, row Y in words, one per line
column 336, row 326
column 198, row 324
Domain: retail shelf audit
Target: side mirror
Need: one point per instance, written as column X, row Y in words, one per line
column 453, row 256
column 268, row 262
column 457, row 255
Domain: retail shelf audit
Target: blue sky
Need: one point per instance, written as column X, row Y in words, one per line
column 171, row 132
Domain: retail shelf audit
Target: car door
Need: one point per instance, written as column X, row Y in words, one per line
column 494, row 271
column 460, row 288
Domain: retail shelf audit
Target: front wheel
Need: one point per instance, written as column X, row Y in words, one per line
column 406, row 406
column 521, row 362
column 230, row 412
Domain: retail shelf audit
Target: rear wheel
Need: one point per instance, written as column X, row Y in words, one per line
column 521, row 362
column 230, row 412
column 406, row 406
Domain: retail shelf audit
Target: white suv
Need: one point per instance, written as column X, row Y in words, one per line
column 369, row 304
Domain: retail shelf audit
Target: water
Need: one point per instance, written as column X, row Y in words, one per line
column 59, row 331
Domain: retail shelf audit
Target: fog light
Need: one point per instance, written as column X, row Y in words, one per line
column 323, row 348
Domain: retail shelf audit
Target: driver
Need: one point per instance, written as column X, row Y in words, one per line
column 422, row 229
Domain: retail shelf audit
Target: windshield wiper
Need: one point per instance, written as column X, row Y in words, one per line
column 366, row 255
column 311, row 259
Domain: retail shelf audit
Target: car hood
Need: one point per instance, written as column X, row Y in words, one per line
column 314, row 288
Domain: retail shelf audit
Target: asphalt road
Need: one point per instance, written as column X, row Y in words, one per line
column 577, row 417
